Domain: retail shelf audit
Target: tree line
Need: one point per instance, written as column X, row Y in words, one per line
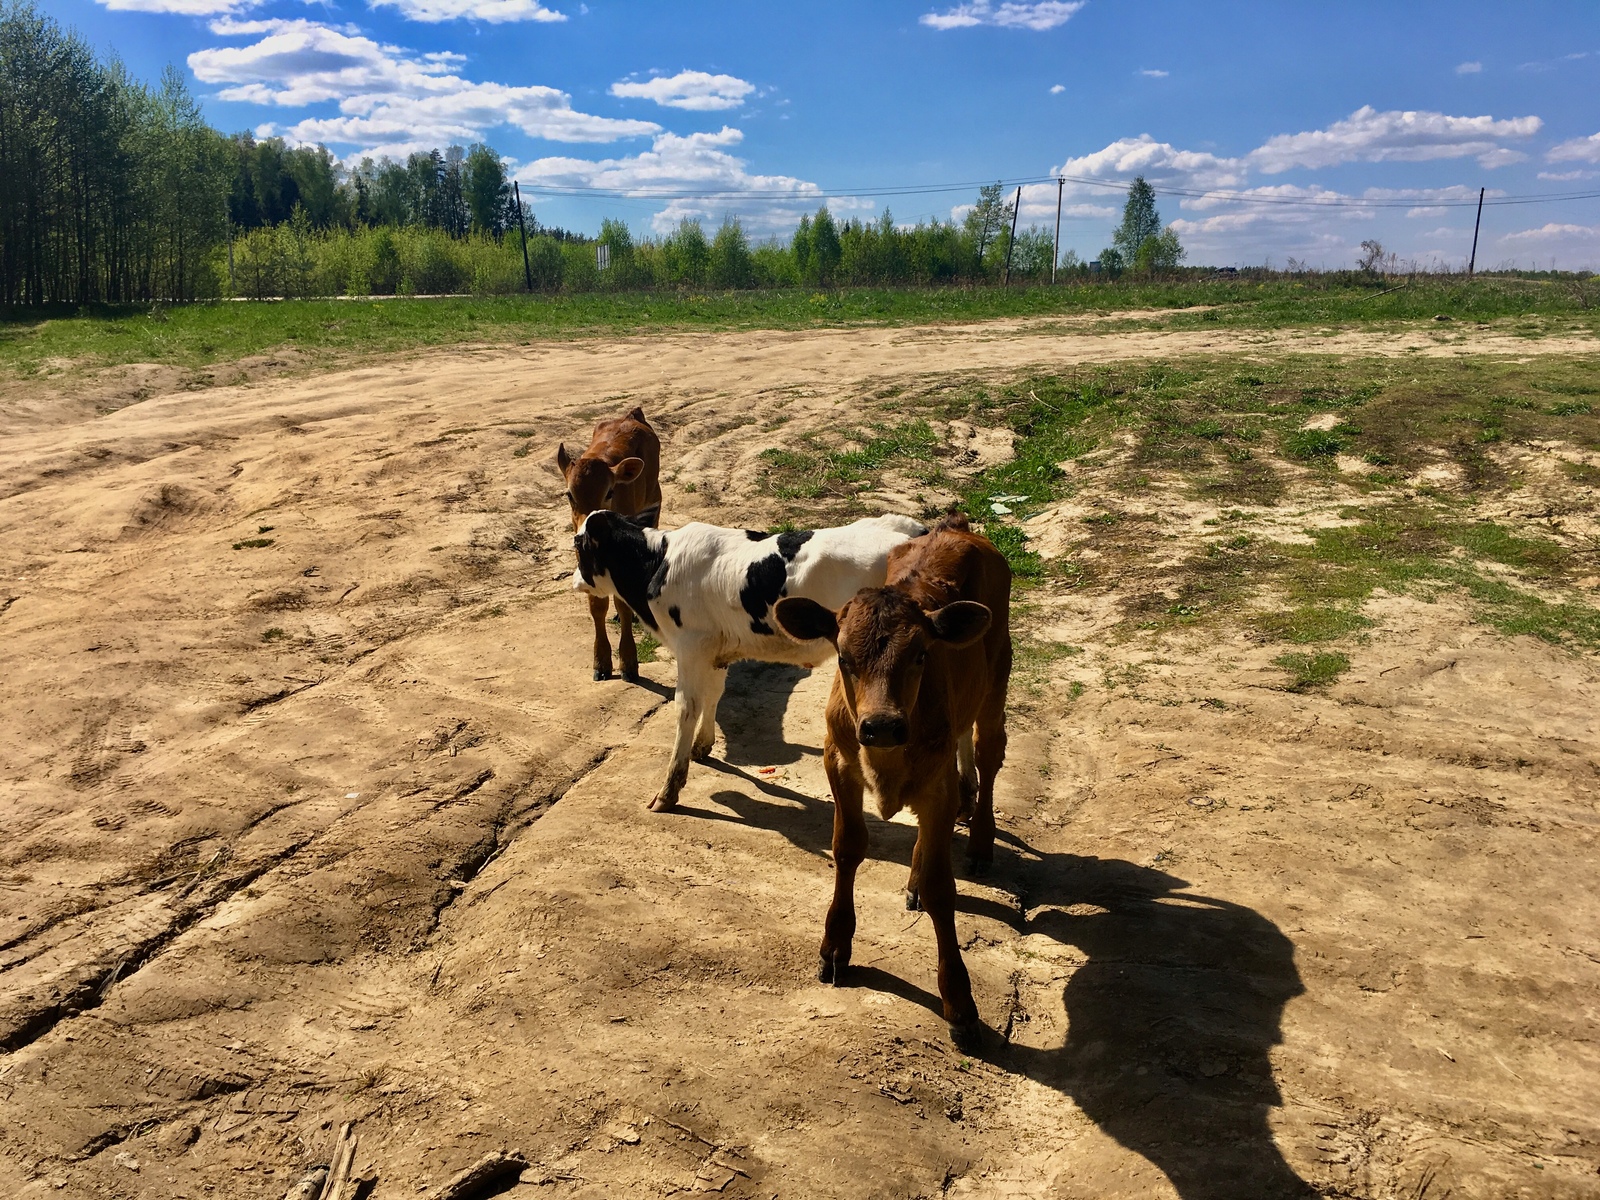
column 114, row 191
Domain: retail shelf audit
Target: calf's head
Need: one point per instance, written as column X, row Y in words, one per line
column 592, row 482
column 883, row 639
column 603, row 538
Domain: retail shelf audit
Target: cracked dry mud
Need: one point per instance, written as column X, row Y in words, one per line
column 337, row 828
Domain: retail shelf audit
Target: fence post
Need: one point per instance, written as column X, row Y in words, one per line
column 1473, row 261
column 1011, row 245
column 527, row 271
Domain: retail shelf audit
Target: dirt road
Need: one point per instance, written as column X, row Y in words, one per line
column 314, row 815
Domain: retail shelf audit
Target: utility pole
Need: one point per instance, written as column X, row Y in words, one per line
column 1016, row 207
column 1061, row 184
column 1473, row 261
column 527, row 271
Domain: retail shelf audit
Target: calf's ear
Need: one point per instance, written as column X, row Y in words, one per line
column 636, row 413
column 628, row 470
column 805, row 620
column 961, row 623
column 563, row 459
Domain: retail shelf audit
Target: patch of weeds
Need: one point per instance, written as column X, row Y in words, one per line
column 1033, row 658
column 1310, row 623
column 1312, row 444
column 257, row 543
column 822, row 467
column 1026, row 565
column 1582, row 473
column 275, row 634
column 1569, row 408
column 1312, row 670
column 1075, row 689
column 647, row 645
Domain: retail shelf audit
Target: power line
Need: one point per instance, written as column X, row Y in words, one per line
column 1219, row 196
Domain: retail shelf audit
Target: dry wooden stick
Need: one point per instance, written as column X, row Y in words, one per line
column 344, row 1158
column 489, row 1171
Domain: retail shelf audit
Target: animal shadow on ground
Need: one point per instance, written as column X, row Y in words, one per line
column 1170, row 1022
column 751, row 714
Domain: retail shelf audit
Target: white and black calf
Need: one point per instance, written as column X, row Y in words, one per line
column 708, row 592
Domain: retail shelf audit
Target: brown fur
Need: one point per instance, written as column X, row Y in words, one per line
column 621, row 471
column 923, row 660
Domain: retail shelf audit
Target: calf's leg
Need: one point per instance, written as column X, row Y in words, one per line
column 626, row 650
column 849, row 848
column 705, row 734
column 990, row 752
column 695, row 680
column 602, row 643
column 967, row 769
column 938, row 896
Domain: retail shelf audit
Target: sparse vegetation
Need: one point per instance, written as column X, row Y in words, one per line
column 1312, row 670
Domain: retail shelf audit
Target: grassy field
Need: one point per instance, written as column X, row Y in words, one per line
column 200, row 335
column 1262, row 447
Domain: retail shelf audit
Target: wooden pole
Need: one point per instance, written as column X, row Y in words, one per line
column 1473, row 261
column 1056, row 261
column 1011, row 245
column 527, row 271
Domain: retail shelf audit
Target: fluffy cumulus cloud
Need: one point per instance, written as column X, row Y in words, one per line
column 494, row 11
column 696, row 91
column 1143, row 155
column 1037, row 15
column 1554, row 232
column 1368, row 135
column 391, row 101
column 696, row 162
column 1586, row 149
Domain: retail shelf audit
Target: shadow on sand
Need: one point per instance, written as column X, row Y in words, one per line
column 1170, row 1022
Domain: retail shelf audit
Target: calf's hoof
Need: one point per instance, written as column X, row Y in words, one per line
column 663, row 803
column 701, row 753
column 967, row 1036
column 832, row 969
column 978, row 866
column 630, row 676
column 599, row 674
column 913, row 901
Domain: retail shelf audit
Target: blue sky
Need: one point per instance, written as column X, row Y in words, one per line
column 1385, row 116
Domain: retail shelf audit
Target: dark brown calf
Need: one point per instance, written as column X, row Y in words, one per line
column 621, row 471
column 923, row 662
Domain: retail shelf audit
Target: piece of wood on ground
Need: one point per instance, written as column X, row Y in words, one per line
column 492, row 1171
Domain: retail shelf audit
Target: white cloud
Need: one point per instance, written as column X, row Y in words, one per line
column 1057, row 88
column 1586, row 149
column 1367, row 135
column 186, row 8
column 1554, row 232
column 390, row 100
column 1037, row 15
column 1154, row 74
column 1567, row 176
column 1143, row 155
column 1470, row 68
column 693, row 162
column 496, row 12
column 693, row 90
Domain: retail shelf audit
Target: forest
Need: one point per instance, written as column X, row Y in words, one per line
column 118, row 191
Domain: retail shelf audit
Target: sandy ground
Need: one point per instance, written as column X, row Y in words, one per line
column 339, row 829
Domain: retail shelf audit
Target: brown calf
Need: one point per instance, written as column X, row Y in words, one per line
column 621, row 471
column 923, row 661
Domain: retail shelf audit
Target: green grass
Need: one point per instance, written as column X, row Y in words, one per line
column 1312, row 670
column 257, row 543
column 835, row 466
column 647, row 645
column 201, row 335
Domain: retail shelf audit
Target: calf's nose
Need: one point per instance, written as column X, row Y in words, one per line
column 882, row 729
